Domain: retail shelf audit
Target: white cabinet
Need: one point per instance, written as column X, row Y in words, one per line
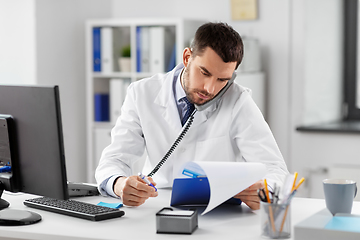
column 256, row 82
column 153, row 44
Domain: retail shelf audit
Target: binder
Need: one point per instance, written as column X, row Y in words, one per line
column 96, row 49
column 194, row 192
column 157, row 51
column 225, row 180
column 162, row 41
column 138, row 48
column 118, row 89
column 172, row 60
column 145, row 49
column 190, row 191
column 101, row 107
column 116, row 99
column 169, row 49
column 107, row 49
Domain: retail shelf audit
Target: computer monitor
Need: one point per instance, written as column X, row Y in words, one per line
column 37, row 154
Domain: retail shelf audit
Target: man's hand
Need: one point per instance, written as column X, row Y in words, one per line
column 250, row 197
column 133, row 191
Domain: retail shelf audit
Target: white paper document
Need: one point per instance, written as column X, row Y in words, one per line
column 226, row 179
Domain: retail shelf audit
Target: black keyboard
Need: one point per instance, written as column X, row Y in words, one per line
column 74, row 208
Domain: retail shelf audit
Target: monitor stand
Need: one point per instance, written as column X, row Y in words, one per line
column 13, row 217
column 3, row 203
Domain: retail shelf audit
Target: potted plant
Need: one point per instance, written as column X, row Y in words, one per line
column 125, row 59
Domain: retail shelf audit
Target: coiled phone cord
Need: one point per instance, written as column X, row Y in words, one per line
column 177, row 141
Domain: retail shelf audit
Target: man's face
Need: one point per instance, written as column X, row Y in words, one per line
column 205, row 75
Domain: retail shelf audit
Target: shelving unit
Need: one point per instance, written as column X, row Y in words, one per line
column 122, row 33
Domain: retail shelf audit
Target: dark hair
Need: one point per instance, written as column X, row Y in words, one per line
column 221, row 38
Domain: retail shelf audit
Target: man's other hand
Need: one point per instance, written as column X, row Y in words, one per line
column 250, row 197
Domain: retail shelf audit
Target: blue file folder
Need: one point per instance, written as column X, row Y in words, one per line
column 97, row 49
column 193, row 192
column 101, row 111
column 138, row 49
column 190, row 191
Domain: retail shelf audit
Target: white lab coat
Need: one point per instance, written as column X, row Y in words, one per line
column 232, row 129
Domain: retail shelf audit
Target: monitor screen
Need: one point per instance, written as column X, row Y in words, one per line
column 36, row 115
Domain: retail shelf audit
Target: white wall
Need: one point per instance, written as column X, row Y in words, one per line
column 323, row 57
column 60, row 40
column 317, row 93
column 17, row 42
column 43, row 42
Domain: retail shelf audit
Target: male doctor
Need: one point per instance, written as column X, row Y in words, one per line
column 230, row 129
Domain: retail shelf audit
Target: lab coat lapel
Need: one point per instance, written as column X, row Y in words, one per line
column 202, row 116
column 166, row 100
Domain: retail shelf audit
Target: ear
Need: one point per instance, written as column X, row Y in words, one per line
column 186, row 56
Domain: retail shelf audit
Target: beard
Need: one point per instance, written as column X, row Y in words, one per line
column 191, row 94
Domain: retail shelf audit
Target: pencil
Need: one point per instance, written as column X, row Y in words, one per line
column 300, row 182
column 267, row 191
column 284, row 218
column 272, row 218
column 295, row 177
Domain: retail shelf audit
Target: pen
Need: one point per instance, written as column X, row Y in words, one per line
column 276, row 193
column 146, row 180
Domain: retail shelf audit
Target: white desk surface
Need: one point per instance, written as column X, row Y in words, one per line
column 227, row 222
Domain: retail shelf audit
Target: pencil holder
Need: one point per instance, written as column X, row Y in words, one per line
column 275, row 220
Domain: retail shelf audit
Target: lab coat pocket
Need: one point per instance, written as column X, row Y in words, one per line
column 214, row 149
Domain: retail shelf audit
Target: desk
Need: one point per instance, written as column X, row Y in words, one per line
column 226, row 222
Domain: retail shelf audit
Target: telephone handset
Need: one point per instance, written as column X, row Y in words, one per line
column 189, row 122
column 219, row 95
